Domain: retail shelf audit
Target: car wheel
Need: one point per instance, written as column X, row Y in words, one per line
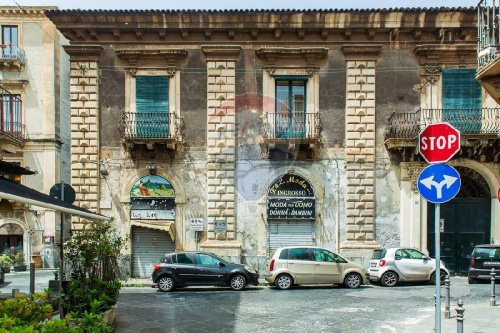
column 283, row 282
column 442, row 277
column 166, row 283
column 389, row 279
column 353, row 280
column 237, row 282
column 472, row 280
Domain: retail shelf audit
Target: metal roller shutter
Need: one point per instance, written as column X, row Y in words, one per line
column 148, row 246
column 290, row 234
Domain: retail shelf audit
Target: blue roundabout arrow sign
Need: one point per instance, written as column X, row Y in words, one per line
column 439, row 183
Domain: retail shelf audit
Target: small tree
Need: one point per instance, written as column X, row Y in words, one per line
column 93, row 252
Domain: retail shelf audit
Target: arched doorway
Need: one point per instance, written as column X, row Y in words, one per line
column 152, row 217
column 291, row 212
column 11, row 239
column 466, row 219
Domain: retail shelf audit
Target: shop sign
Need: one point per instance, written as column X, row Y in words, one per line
column 196, row 224
column 291, row 197
column 220, row 226
column 152, row 209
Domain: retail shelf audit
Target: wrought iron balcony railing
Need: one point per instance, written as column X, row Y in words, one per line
column 474, row 121
column 296, row 125
column 12, row 54
column 155, row 125
column 13, row 130
column 488, row 33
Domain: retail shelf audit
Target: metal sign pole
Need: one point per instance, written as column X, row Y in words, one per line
column 437, row 272
column 61, row 254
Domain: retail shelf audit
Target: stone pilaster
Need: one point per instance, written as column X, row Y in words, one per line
column 360, row 149
column 84, row 127
column 221, row 148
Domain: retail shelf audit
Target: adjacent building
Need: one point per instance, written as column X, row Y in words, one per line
column 34, row 125
column 240, row 131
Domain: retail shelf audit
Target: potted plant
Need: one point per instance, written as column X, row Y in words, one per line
column 5, row 263
column 19, row 264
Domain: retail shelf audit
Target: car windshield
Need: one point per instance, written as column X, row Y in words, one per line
column 487, row 253
column 378, row 254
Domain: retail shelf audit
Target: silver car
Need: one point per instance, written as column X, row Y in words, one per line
column 389, row 266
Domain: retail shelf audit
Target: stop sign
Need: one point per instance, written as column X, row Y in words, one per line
column 437, row 143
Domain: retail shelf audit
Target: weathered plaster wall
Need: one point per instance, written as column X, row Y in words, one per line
column 397, row 72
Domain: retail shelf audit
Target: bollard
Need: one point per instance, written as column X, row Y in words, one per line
column 447, row 300
column 492, row 298
column 460, row 316
column 15, row 293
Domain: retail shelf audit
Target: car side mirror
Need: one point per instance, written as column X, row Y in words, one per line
column 221, row 264
column 426, row 258
column 397, row 257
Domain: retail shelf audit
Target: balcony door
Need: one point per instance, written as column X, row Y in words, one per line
column 10, row 114
column 151, row 99
column 290, row 115
column 462, row 100
column 9, row 40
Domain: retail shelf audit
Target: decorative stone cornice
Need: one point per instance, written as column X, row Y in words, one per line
column 14, row 85
column 83, row 52
column 310, row 54
column 221, row 52
column 132, row 55
column 435, row 51
column 15, row 11
column 361, row 51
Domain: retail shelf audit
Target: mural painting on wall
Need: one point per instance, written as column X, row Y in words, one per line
column 152, row 198
column 291, row 197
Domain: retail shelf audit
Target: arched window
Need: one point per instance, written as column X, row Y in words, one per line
column 152, row 198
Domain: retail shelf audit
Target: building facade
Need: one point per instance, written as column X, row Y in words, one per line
column 237, row 132
column 34, row 125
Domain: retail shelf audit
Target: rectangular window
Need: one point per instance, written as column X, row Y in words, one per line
column 9, row 40
column 461, row 99
column 10, row 114
column 151, row 106
column 290, row 110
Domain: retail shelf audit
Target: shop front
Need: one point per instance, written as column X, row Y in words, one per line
column 291, row 212
column 152, row 215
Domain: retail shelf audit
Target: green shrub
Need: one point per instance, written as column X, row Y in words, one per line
column 5, row 261
column 19, row 260
column 95, row 297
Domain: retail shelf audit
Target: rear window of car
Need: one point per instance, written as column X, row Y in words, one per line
column 378, row 254
column 299, row 254
column 486, row 253
column 166, row 260
column 185, row 258
column 284, row 254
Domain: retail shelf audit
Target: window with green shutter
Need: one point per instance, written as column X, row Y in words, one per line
column 461, row 99
column 151, row 106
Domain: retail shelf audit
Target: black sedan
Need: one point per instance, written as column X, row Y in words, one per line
column 483, row 259
column 201, row 268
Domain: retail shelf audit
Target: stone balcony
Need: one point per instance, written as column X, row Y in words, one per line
column 11, row 57
column 289, row 132
column 151, row 129
column 479, row 129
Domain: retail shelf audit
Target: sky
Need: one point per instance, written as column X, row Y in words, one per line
column 241, row 4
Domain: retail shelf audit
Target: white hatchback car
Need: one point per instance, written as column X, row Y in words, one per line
column 295, row 265
column 389, row 266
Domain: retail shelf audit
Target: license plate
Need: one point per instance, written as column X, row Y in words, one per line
column 373, row 264
column 492, row 263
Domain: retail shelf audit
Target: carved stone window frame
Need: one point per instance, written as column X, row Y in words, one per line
column 292, row 62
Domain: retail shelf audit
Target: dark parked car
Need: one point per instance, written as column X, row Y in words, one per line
column 201, row 268
column 482, row 260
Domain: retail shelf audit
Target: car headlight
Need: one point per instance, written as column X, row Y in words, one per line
column 250, row 269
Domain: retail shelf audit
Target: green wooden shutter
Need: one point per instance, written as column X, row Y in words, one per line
column 151, row 104
column 461, row 99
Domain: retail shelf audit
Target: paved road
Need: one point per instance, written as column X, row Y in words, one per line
column 408, row 308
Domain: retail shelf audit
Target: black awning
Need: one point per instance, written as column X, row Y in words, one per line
column 13, row 191
column 11, row 168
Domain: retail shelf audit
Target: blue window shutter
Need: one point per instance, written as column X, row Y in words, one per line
column 462, row 100
column 151, row 104
column 460, row 89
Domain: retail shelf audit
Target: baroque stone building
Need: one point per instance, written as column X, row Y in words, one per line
column 264, row 128
column 34, row 125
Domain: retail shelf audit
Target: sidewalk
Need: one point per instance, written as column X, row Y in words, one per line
column 478, row 318
column 21, row 281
